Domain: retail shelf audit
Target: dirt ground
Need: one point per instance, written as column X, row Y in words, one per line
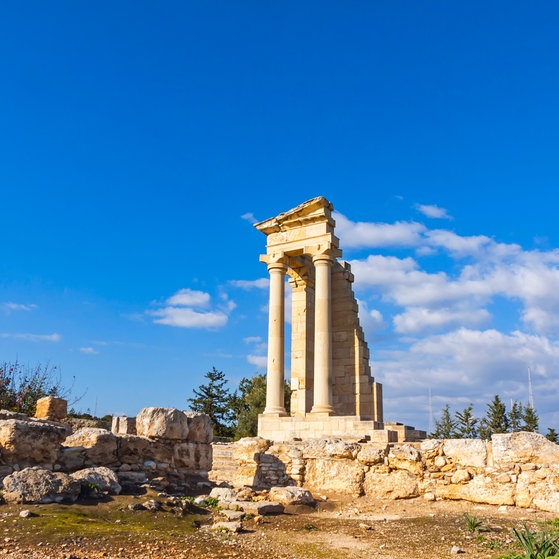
column 337, row 528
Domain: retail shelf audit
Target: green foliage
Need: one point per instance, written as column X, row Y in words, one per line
column 473, row 523
column 495, row 420
column 249, row 401
column 466, row 423
column 542, row 545
column 215, row 400
column 530, row 420
column 212, row 502
column 515, row 416
column 552, row 435
column 21, row 387
column 445, row 426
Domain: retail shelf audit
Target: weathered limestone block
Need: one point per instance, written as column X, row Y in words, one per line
column 200, row 428
column 405, row 457
column 259, row 508
column 100, row 445
column 36, row 485
column 162, row 423
column 522, row 448
column 52, row 408
column 71, row 458
column 29, row 442
column 122, row 425
column 132, row 449
column 102, row 479
column 466, row 452
column 291, row 495
column 539, row 488
column 430, row 448
column 481, row 489
column 461, row 476
column 193, row 456
column 340, row 476
column 331, row 448
column 223, row 493
column 399, row 484
column 371, row 454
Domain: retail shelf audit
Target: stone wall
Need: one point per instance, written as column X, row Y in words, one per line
column 516, row 469
column 171, row 445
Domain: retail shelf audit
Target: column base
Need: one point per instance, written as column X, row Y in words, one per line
column 323, row 409
column 275, row 411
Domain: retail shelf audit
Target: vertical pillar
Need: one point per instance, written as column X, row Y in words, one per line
column 275, row 377
column 323, row 335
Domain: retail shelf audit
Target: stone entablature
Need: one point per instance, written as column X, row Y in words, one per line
column 330, row 371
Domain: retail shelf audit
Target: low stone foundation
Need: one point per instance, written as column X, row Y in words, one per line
column 515, row 469
column 321, row 426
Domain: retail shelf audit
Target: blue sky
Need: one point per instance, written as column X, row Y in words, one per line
column 140, row 141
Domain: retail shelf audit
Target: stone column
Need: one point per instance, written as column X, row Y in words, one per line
column 323, row 335
column 275, row 377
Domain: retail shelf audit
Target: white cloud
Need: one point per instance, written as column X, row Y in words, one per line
column 261, row 361
column 9, row 306
column 252, row 340
column 417, row 319
column 262, row 283
column 189, row 298
column 432, row 211
column 33, row 337
column 190, row 309
column 250, row 218
column 457, row 245
column 184, row 317
column 89, row 350
column 363, row 234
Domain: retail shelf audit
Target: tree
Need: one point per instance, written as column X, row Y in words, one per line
column 249, row 401
column 552, row 435
column 515, row 416
column 495, row 420
column 445, row 426
column 466, row 423
column 21, row 387
column 215, row 400
column 530, row 420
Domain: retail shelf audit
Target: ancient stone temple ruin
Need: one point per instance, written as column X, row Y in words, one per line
column 333, row 392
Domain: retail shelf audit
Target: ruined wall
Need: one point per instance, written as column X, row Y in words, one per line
column 169, row 444
column 516, row 469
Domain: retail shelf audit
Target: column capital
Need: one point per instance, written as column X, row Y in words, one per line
column 323, row 257
column 275, row 260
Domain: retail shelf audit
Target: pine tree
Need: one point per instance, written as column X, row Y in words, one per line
column 530, row 420
column 215, row 400
column 445, row 426
column 466, row 423
column 249, row 401
column 552, row 435
column 515, row 416
column 495, row 420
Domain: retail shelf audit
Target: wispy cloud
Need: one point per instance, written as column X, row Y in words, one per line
column 192, row 309
column 32, row 337
column 432, row 211
column 262, row 283
column 12, row 307
column 89, row 350
column 250, row 218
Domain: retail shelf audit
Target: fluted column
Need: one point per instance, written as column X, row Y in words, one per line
column 323, row 335
column 275, row 377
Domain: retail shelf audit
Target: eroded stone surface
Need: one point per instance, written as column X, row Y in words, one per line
column 162, row 423
column 37, row 485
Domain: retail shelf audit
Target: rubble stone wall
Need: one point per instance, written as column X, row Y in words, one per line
column 515, row 469
column 172, row 445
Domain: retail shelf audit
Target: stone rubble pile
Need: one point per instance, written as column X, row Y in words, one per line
column 516, row 469
column 42, row 460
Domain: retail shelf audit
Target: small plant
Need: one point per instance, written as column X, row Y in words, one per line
column 309, row 527
column 473, row 523
column 212, row 502
column 536, row 545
